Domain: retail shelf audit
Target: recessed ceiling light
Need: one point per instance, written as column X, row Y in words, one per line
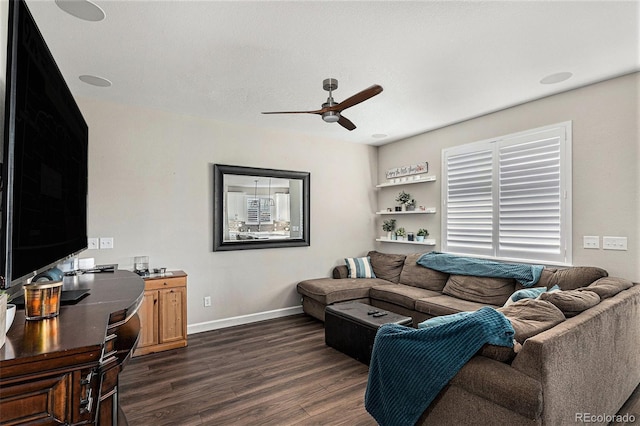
column 556, row 78
column 379, row 135
column 83, row 9
column 95, row 81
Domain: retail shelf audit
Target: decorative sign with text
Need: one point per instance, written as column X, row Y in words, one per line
column 412, row 169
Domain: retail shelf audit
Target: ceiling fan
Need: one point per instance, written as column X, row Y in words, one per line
column 331, row 111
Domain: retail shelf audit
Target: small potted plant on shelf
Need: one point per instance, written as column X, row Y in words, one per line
column 388, row 226
column 403, row 198
column 410, row 205
column 400, row 234
column 421, row 234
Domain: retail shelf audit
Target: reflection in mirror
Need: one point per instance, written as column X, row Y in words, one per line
column 260, row 208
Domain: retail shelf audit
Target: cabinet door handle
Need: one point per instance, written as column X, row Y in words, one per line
column 86, row 403
column 87, row 379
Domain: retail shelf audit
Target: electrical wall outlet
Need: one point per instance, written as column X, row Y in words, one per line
column 92, row 243
column 207, row 301
column 614, row 243
column 106, row 243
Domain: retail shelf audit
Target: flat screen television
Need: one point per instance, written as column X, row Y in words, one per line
column 44, row 158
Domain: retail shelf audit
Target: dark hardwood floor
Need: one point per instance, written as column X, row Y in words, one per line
column 276, row 372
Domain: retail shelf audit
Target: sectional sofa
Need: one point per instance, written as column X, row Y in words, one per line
column 576, row 357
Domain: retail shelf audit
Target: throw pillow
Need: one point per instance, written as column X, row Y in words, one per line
column 359, row 267
column 577, row 276
column 572, row 302
column 487, row 290
column 609, row 286
column 387, row 266
column 529, row 293
column 532, row 316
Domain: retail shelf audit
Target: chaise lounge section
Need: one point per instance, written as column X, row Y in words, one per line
column 576, row 347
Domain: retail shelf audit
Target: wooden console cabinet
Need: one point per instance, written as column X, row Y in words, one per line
column 64, row 370
column 163, row 314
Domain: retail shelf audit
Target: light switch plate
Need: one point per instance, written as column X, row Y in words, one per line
column 590, row 242
column 614, row 243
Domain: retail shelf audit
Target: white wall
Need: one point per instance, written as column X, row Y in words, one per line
column 150, row 187
column 606, row 155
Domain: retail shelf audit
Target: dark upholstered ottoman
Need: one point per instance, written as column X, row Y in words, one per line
column 349, row 328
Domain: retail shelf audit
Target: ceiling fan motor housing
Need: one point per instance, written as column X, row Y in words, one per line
column 330, row 116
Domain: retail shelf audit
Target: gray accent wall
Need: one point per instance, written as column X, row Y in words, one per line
column 606, row 158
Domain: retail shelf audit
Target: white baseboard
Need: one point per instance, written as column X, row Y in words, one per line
column 244, row 319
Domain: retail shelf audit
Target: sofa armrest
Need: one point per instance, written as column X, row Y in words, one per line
column 340, row 271
column 500, row 384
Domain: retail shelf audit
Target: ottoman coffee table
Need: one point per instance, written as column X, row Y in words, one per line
column 351, row 327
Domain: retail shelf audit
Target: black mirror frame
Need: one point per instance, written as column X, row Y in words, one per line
column 219, row 170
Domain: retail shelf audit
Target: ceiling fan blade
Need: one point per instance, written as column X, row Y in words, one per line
column 346, row 123
column 367, row 93
column 319, row 111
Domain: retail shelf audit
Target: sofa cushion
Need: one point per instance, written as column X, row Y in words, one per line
column 329, row 290
column 402, row 295
column 359, row 267
column 572, row 302
column 419, row 276
column 532, row 316
column 387, row 266
column 488, row 290
column 609, row 286
column 529, row 293
column 545, row 280
column 446, row 305
column 577, row 276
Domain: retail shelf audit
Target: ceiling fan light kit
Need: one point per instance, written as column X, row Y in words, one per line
column 331, row 111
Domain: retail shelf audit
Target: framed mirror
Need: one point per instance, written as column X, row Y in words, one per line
column 259, row 208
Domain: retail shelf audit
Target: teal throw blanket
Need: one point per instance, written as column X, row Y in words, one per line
column 409, row 367
column 527, row 275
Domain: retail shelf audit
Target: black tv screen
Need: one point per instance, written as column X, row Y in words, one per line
column 44, row 164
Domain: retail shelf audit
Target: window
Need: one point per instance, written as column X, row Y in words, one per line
column 510, row 197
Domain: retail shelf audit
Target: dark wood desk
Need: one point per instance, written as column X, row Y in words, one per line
column 64, row 370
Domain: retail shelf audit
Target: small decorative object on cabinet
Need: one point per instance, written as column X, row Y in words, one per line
column 3, row 316
column 163, row 313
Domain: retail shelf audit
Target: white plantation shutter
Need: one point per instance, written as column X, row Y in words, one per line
column 509, row 198
column 469, row 202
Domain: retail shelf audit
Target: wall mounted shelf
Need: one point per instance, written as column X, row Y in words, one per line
column 430, row 178
column 429, row 210
column 426, row 242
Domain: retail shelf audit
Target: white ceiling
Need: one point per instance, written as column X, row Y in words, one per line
column 439, row 62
